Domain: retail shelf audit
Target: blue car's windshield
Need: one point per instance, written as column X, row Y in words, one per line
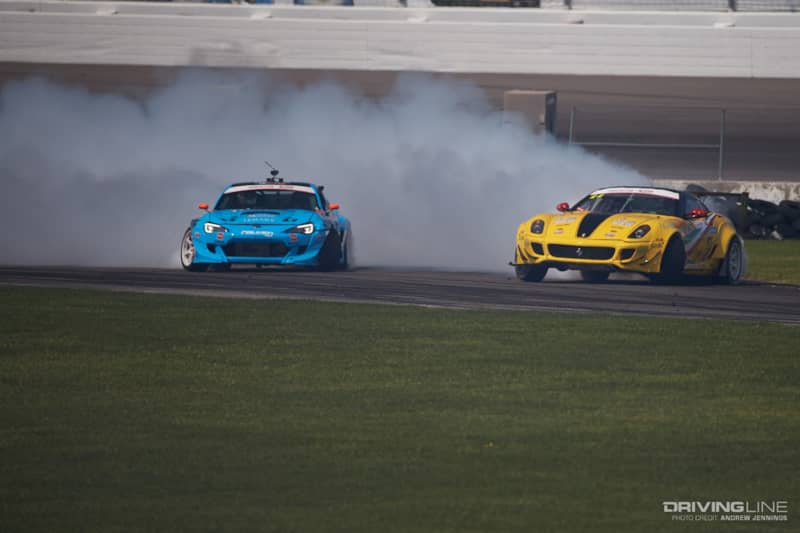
column 268, row 199
column 627, row 203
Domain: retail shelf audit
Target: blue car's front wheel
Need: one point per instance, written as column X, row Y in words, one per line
column 188, row 254
column 330, row 256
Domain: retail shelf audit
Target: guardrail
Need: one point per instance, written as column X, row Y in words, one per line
column 679, row 5
column 694, row 142
column 718, row 145
column 745, row 6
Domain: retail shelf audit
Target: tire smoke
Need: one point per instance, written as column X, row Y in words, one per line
column 429, row 175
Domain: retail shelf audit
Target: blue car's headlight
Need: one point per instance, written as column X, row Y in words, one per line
column 640, row 232
column 306, row 229
column 210, row 227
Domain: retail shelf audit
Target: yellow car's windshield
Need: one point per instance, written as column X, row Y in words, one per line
column 627, row 203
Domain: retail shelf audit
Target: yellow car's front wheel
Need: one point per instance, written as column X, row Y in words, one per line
column 530, row 272
column 594, row 276
column 672, row 262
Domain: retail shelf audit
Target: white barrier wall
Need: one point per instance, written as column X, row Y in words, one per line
column 772, row 191
column 657, row 5
column 536, row 41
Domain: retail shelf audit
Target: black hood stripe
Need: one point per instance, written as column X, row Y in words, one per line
column 590, row 223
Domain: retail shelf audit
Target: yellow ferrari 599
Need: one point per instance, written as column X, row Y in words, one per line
column 661, row 233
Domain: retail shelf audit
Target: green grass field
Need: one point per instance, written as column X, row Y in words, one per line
column 777, row 261
column 145, row 412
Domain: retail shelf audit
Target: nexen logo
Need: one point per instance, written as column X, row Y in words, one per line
column 726, row 507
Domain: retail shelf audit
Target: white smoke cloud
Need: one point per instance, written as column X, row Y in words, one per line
column 429, row 175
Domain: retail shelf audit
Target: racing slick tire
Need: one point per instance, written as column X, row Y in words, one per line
column 732, row 268
column 531, row 273
column 786, row 231
column 694, row 187
column 594, row 276
column 672, row 262
column 757, row 231
column 187, row 254
column 331, row 252
column 790, row 209
column 762, row 207
column 772, row 220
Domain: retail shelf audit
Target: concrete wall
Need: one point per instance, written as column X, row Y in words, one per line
column 534, row 41
column 762, row 131
column 133, row 47
column 773, row 191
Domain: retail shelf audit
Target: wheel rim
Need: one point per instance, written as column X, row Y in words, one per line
column 734, row 261
column 187, row 250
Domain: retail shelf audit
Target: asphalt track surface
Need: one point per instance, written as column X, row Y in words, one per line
column 620, row 295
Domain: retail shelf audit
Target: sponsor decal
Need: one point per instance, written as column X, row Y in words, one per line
column 564, row 220
column 727, row 511
column 558, row 231
column 269, row 187
column 624, row 222
column 647, row 191
column 260, row 233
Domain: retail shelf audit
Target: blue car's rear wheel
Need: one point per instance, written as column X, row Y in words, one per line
column 188, row 254
column 347, row 249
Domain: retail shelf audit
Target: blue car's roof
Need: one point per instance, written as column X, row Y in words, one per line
column 267, row 183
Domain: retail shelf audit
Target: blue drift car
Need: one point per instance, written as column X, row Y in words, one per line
column 268, row 223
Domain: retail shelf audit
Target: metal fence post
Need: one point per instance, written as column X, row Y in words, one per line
column 568, row 4
column 721, row 167
column 571, row 125
column 732, row 5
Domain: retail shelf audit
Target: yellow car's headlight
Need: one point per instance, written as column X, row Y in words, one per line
column 537, row 226
column 640, row 232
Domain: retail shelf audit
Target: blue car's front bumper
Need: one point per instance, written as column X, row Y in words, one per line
column 257, row 245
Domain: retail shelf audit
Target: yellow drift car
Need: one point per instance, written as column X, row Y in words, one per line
column 660, row 233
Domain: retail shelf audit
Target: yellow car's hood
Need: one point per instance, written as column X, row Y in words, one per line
column 595, row 225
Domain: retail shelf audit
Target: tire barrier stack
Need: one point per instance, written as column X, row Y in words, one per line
column 767, row 220
column 754, row 218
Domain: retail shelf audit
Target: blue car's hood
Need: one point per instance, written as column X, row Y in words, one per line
column 262, row 216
